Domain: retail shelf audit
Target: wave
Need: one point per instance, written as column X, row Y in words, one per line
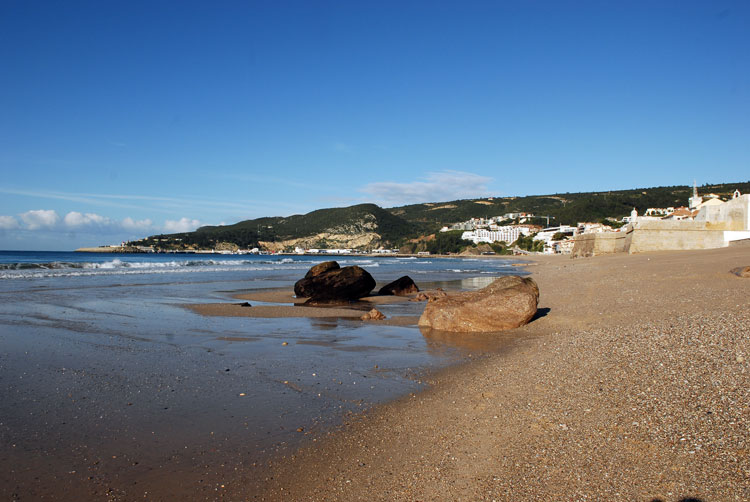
column 117, row 266
column 361, row 263
column 117, row 263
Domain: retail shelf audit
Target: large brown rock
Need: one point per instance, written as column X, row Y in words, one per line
column 742, row 272
column 305, row 286
column 322, row 268
column 331, row 284
column 400, row 287
column 507, row 303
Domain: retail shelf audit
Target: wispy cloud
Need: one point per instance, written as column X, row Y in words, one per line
column 172, row 205
column 437, row 186
column 129, row 223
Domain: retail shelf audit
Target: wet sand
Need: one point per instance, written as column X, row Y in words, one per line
column 281, row 303
column 115, row 391
column 632, row 384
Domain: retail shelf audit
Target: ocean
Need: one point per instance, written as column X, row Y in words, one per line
column 108, row 382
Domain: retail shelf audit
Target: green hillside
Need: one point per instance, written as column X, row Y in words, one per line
column 351, row 220
column 398, row 224
column 563, row 208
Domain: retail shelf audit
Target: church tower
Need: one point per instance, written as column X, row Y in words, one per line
column 695, row 201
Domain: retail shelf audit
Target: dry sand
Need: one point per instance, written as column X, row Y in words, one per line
column 633, row 385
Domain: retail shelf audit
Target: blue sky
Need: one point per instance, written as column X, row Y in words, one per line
column 125, row 119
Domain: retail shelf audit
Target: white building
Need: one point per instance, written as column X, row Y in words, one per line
column 547, row 235
column 507, row 234
column 590, row 228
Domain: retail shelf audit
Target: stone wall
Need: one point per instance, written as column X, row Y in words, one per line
column 599, row 243
column 731, row 215
column 715, row 226
column 650, row 235
column 667, row 235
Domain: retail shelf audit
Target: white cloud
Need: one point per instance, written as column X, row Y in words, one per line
column 439, row 186
column 181, row 225
column 130, row 224
column 76, row 219
column 48, row 219
column 8, row 223
column 40, row 218
column 48, row 222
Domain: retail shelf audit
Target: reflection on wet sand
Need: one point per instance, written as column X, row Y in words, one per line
column 438, row 341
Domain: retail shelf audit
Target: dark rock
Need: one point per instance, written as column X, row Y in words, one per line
column 335, row 284
column 303, row 287
column 741, row 272
column 400, row 287
column 507, row 303
column 322, row 268
column 244, row 304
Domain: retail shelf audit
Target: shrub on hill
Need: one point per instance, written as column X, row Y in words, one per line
column 448, row 242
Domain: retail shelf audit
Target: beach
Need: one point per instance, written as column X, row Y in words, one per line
column 632, row 384
column 113, row 387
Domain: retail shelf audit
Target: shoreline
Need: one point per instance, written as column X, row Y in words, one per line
column 132, row 250
column 604, row 396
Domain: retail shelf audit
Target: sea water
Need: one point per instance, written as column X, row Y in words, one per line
column 107, row 379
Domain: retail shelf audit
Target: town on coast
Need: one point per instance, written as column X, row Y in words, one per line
column 357, row 251
column 707, row 221
column 630, row 380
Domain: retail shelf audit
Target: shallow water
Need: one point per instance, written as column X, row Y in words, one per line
column 110, row 386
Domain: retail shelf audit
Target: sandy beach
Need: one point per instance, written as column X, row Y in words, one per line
column 633, row 384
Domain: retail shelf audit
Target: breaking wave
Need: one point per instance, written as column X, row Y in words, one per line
column 117, row 266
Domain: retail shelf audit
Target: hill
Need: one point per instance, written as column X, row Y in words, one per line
column 354, row 226
column 366, row 226
column 563, row 208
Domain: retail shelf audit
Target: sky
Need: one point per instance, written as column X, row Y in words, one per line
column 120, row 120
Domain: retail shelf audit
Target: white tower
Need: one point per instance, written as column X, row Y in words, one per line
column 695, row 201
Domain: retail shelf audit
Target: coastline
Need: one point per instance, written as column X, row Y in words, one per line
column 632, row 384
column 116, row 390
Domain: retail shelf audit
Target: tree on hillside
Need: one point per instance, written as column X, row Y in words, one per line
column 528, row 243
column 448, row 242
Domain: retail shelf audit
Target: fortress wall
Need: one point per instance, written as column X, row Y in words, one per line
column 714, row 227
column 732, row 215
column 663, row 235
column 597, row 244
column 667, row 239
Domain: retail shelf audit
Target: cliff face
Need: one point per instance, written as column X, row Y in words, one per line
column 327, row 240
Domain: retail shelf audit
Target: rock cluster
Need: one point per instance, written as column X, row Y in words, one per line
column 327, row 282
column 507, row 303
